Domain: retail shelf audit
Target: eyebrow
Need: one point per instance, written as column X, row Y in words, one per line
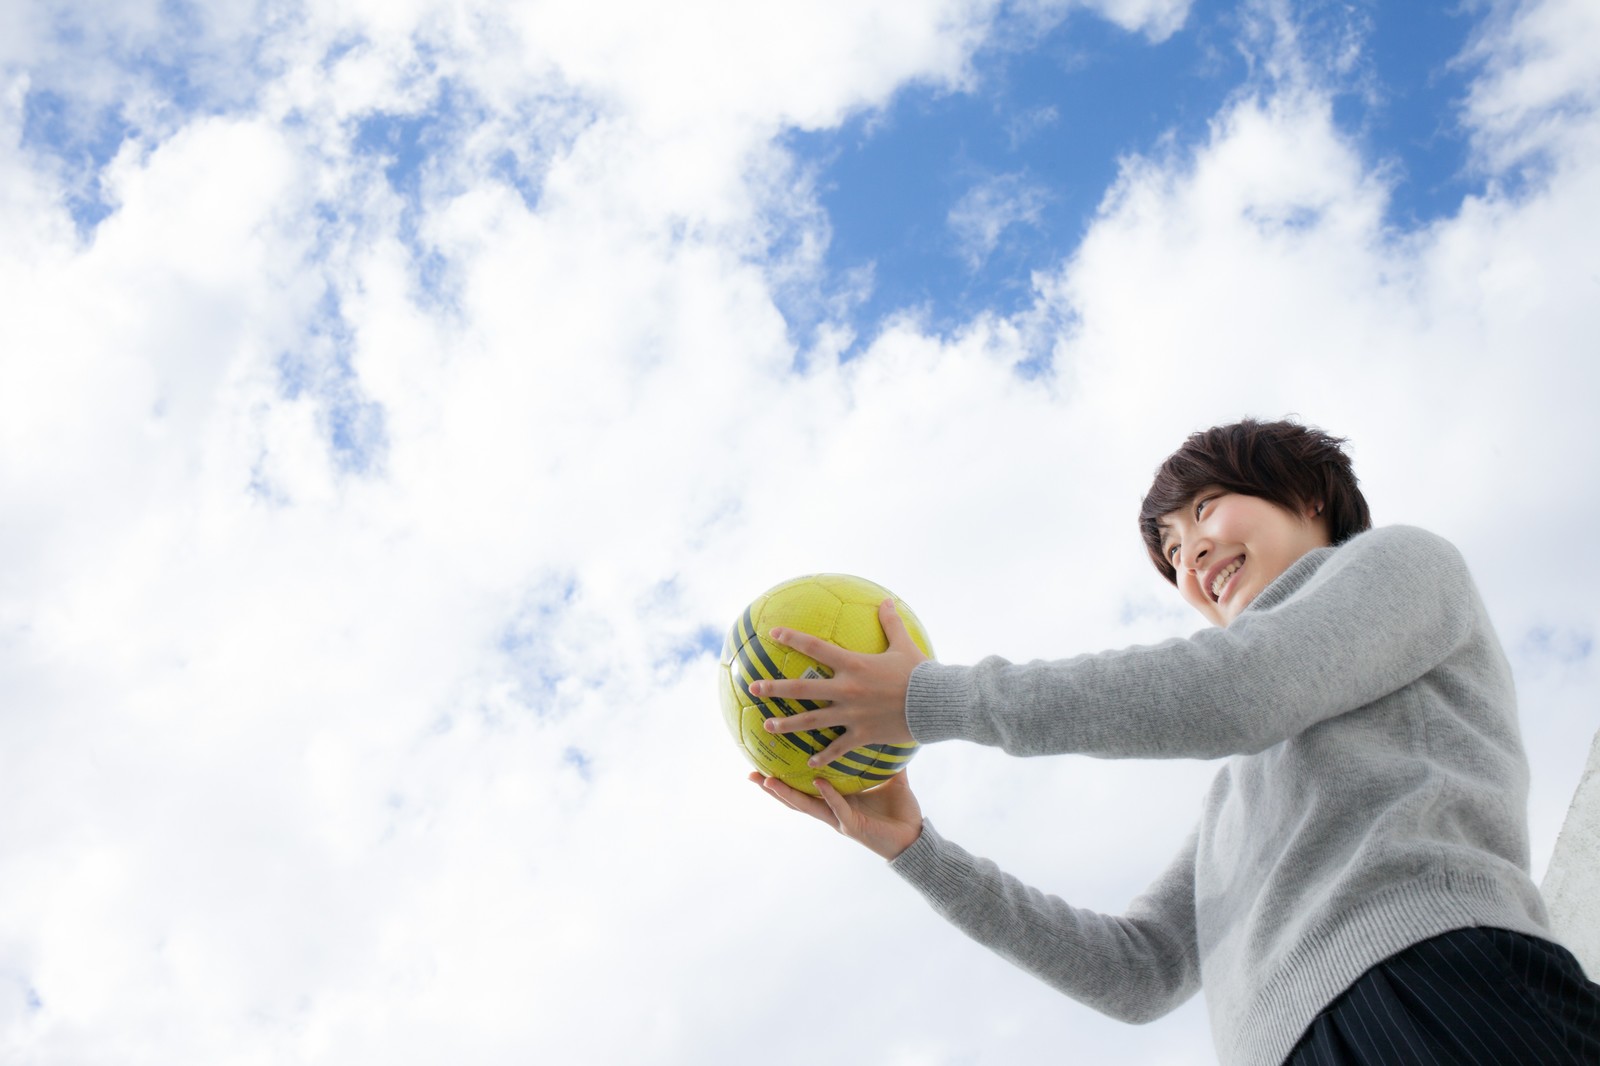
column 1164, row 523
column 1164, row 531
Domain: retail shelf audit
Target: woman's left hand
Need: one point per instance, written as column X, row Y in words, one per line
column 886, row 819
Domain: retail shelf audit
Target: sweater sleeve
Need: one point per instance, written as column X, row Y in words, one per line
column 1135, row 967
column 1356, row 623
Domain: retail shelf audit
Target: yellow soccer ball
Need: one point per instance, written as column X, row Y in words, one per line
column 837, row 608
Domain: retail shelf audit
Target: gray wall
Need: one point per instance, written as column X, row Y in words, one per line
column 1572, row 884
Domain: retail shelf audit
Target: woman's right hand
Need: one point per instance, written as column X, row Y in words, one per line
column 886, row 819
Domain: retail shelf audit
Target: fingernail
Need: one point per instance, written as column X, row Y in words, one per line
column 770, row 725
column 777, row 634
column 755, row 688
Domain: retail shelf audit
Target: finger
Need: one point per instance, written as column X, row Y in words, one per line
column 789, row 797
column 825, row 652
column 791, row 688
column 825, row 718
column 894, row 627
column 840, row 747
column 836, row 803
column 793, row 797
column 779, row 797
column 758, row 778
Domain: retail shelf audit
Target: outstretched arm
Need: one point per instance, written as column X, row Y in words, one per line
column 1381, row 612
column 1135, row 966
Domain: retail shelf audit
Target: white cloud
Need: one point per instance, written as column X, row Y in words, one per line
column 706, row 63
column 980, row 218
column 1030, row 123
column 1155, row 19
column 1537, row 93
column 306, row 760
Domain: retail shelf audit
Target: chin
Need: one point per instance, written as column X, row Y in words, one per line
column 1234, row 609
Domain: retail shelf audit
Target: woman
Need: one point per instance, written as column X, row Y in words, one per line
column 1356, row 889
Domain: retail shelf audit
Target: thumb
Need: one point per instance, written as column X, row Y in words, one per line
column 843, row 815
column 894, row 627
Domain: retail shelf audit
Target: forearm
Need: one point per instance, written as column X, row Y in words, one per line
column 1128, row 703
column 1135, row 967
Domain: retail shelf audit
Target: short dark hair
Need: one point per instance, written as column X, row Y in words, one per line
column 1282, row 462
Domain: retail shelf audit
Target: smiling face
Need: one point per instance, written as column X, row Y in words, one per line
column 1227, row 547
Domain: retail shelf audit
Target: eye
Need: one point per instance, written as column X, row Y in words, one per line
column 1172, row 553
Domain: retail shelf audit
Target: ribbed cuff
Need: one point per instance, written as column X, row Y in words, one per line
column 939, row 702
column 934, row 866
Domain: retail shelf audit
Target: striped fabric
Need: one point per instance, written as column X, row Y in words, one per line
column 1473, row 996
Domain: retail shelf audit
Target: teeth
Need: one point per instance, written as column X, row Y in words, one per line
column 1221, row 579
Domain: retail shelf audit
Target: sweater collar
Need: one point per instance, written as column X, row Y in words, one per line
column 1289, row 582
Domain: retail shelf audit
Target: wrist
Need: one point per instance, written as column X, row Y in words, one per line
column 893, row 849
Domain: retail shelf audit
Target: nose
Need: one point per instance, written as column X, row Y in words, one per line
column 1193, row 553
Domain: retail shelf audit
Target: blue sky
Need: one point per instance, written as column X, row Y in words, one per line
column 397, row 401
column 1054, row 111
column 1051, row 114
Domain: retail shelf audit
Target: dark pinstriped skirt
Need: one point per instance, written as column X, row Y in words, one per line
column 1480, row 996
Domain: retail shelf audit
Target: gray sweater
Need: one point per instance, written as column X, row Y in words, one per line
column 1376, row 794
